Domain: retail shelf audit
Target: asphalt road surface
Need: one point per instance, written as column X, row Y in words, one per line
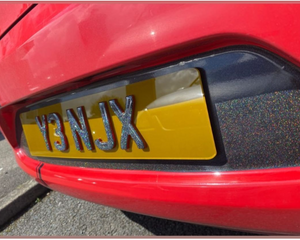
column 59, row 215
column 11, row 176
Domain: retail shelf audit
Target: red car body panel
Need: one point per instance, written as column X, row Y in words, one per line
column 9, row 13
column 91, row 40
column 57, row 45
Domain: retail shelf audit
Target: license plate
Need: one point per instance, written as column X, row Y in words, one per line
column 160, row 118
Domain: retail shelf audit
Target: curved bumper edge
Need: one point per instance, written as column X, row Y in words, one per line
column 256, row 200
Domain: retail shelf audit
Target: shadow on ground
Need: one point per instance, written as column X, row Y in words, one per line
column 163, row 227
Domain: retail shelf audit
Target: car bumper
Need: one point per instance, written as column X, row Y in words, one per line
column 256, row 200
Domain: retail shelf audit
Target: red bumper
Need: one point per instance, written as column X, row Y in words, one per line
column 259, row 200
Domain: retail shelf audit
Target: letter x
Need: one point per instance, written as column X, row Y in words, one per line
column 128, row 128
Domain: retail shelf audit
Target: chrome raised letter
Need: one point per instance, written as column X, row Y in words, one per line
column 110, row 144
column 43, row 126
column 81, row 129
column 128, row 128
column 63, row 145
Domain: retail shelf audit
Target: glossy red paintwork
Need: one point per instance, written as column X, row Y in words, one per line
column 262, row 200
column 57, row 45
column 10, row 12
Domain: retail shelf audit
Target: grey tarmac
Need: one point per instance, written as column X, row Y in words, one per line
column 60, row 215
column 17, row 190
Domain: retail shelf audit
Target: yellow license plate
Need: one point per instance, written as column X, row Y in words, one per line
column 160, row 118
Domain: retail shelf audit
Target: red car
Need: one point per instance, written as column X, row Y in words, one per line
column 181, row 111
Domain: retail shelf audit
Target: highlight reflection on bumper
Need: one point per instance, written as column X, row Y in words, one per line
column 214, row 198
